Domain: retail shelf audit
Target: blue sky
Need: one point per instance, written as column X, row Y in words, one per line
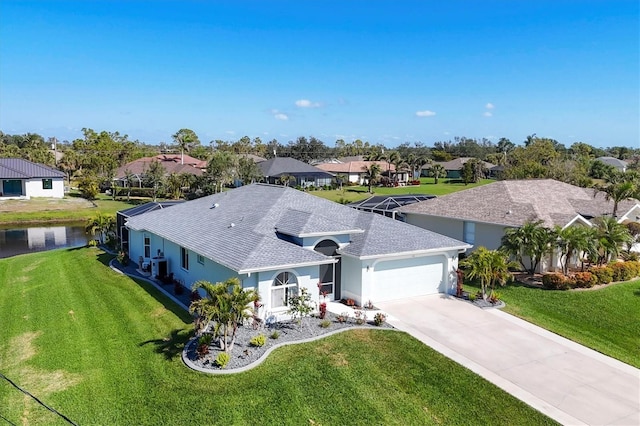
column 383, row 71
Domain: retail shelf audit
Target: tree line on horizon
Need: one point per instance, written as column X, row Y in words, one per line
column 97, row 155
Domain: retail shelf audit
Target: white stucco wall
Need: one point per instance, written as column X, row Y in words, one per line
column 33, row 188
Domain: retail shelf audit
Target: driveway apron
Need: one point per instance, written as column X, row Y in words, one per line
column 564, row 380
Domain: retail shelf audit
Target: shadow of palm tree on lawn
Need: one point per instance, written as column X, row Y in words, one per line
column 172, row 345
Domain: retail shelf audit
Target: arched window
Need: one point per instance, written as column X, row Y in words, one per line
column 284, row 286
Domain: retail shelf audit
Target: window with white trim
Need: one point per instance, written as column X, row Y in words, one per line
column 184, row 258
column 47, row 184
column 284, row 286
column 200, row 259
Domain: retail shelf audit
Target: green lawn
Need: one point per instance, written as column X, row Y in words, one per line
column 607, row 319
column 103, row 349
column 69, row 209
column 356, row 193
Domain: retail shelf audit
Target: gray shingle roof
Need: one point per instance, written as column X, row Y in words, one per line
column 17, row 168
column 279, row 166
column 237, row 228
column 513, row 202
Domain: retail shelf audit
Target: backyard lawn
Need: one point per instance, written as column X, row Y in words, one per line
column 103, row 349
column 349, row 194
column 69, row 209
column 605, row 319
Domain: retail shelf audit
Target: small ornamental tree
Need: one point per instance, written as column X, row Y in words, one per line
column 300, row 306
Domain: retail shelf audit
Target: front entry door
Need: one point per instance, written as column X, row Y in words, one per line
column 330, row 275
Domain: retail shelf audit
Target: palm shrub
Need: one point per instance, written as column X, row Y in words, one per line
column 532, row 241
column 258, row 340
column 490, row 267
column 225, row 303
column 223, row 359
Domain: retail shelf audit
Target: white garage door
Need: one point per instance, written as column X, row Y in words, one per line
column 398, row 279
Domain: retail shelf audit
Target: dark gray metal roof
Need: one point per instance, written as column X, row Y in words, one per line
column 237, row 228
column 17, row 168
column 385, row 203
column 279, row 166
column 148, row 207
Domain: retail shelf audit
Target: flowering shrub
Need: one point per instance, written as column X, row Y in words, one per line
column 360, row 316
column 343, row 317
column 379, row 318
column 323, row 310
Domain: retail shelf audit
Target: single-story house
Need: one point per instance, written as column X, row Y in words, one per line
column 276, row 240
column 454, row 167
column 171, row 163
column 302, row 173
column 619, row 165
column 23, row 179
column 355, row 170
column 480, row 215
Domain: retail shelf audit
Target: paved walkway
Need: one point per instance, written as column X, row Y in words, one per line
column 566, row 381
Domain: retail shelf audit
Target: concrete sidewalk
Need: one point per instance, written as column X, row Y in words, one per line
column 566, row 381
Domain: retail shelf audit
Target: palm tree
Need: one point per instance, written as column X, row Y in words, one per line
column 617, row 192
column 185, row 139
column 371, row 174
column 101, row 224
column 532, row 240
column 128, row 182
column 391, row 158
column 174, row 186
column 573, row 241
column 490, row 267
column 611, row 236
column 437, row 171
column 226, row 304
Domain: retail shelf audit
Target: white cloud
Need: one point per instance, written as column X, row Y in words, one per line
column 425, row 113
column 230, row 132
column 281, row 116
column 306, row 103
column 489, row 106
column 487, row 114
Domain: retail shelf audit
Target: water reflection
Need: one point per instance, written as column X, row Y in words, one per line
column 15, row 241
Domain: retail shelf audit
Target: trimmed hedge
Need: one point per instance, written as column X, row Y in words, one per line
column 555, row 281
column 585, row 279
column 604, row 274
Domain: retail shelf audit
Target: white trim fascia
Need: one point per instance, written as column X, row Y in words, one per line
column 409, row 254
column 624, row 216
column 578, row 218
column 287, row 266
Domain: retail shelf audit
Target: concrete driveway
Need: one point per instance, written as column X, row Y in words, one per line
column 566, row 381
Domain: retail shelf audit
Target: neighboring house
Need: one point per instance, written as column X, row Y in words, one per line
column 454, row 167
column 172, row 163
column 277, row 240
column 302, row 173
column 355, row 170
column 23, row 179
column 480, row 216
column 386, row 205
column 619, row 165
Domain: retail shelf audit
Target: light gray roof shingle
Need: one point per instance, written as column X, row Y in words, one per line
column 513, row 202
column 279, row 166
column 237, row 228
column 17, row 168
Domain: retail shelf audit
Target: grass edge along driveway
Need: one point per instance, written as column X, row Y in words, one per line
column 104, row 349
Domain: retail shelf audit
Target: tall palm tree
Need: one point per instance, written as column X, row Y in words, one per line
column 185, row 139
column 371, row 174
column 618, row 192
column 437, row 171
column 391, row 158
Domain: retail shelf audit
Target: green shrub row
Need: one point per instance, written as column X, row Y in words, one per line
column 617, row 271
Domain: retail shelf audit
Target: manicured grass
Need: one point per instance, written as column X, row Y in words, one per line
column 103, row 349
column 606, row 319
column 69, row 209
column 349, row 194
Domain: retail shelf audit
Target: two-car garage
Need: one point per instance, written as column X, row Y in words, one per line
column 409, row 277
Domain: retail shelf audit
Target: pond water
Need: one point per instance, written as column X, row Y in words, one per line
column 21, row 240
